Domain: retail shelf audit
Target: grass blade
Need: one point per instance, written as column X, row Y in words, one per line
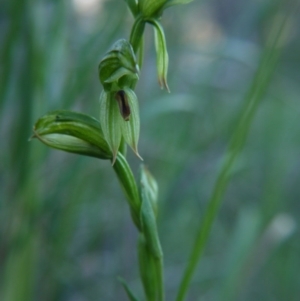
column 255, row 94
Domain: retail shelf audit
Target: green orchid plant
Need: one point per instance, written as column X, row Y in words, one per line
column 119, row 124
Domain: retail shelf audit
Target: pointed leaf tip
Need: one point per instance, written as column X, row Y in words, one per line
column 128, row 291
column 138, row 155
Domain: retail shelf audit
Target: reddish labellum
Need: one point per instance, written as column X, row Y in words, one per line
column 123, row 104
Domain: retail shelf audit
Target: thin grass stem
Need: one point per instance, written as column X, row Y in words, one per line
column 256, row 92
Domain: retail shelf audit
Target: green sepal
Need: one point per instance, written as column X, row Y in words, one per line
column 148, row 269
column 118, row 73
column 107, row 68
column 175, row 2
column 119, row 118
column 128, row 291
column 151, row 8
column 155, row 8
column 123, row 147
column 117, row 64
column 129, row 186
column 162, row 57
column 126, row 55
column 110, row 120
column 131, row 128
column 72, row 132
column 133, row 6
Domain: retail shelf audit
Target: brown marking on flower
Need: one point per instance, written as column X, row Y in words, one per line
column 123, row 104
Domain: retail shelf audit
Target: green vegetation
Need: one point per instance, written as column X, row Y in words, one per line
column 223, row 147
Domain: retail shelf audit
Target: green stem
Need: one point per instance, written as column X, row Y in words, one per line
column 141, row 53
column 160, row 279
column 123, row 147
column 124, row 172
column 137, row 33
column 129, row 186
column 252, row 100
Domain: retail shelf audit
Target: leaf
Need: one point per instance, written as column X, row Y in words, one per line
column 148, row 269
column 149, row 187
column 148, row 222
column 127, row 290
column 150, row 252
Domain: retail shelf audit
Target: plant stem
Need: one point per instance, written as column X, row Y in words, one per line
column 128, row 183
column 136, row 34
column 255, row 94
column 160, row 279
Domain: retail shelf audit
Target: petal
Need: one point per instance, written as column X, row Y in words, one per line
column 110, row 119
column 131, row 128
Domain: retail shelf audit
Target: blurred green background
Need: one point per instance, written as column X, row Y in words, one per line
column 65, row 229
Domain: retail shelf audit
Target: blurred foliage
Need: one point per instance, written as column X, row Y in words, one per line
column 65, row 229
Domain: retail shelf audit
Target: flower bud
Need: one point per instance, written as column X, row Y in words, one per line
column 162, row 57
column 72, row 132
column 118, row 67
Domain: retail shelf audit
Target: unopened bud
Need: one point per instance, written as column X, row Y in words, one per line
column 72, row 132
column 162, row 57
